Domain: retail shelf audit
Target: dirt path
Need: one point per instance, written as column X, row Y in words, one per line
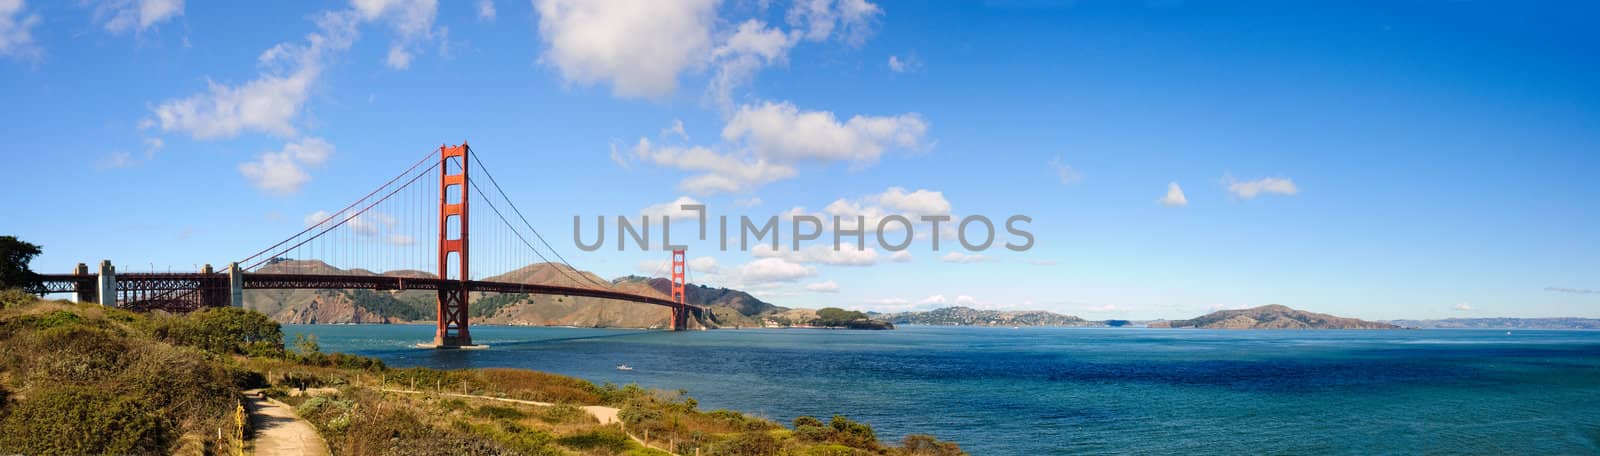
column 278, row 431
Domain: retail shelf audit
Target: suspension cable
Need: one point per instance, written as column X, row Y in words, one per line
column 525, row 222
column 352, row 216
column 524, row 239
column 341, row 211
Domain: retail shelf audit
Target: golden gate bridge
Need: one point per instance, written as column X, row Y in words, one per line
column 376, row 243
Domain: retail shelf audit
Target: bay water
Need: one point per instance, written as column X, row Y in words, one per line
column 1027, row 391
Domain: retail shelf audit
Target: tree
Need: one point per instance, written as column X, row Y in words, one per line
column 834, row 316
column 15, row 255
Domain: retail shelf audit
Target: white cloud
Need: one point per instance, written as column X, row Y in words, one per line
column 273, row 101
column 932, row 300
column 1066, row 173
column 824, row 287
column 314, row 218
column 767, row 270
column 1174, row 196
column 904, row 65
column 16, row 31
column 268, row 104
column 780, row 131
column 310, row 150
column 965, row 300
column 275, row 172
column 411, row 20
column 852, row 18
column 1462, row 307
column 895, row 200
column 1267, row 185
column 892, row 301
column 672, row 209
column 705, row 267
column 748, row 202
column 399, row 58
column 639, row 46
column 365, row 224
column 751, row 47
column 118, row 159
column 1042, row 262
column 486, row 10
column 920, row 202
column 153, row 145
column 847, row 255
column 902, row 256
column 963, row 258
column 283, row 172
column 721, row 173
column 120, row 16
column 675, row 130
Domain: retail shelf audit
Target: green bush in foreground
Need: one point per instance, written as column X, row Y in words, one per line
column 223, row 330
column 78, row 420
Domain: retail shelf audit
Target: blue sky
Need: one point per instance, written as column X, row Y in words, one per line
column 1378, row 160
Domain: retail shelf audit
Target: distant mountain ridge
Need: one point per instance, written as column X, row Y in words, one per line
column 1502, row 323
column 1271, row 317
column 967, row 316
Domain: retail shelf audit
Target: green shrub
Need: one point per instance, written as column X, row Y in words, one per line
column 184, row 383
column 525, row 440
column 852, row 434
column 80, row 420
column 561, row 413
column 927, row 445
column 11, row 298
column 246, row 378
column 609, row 439
column 804, row 420
column 53, row 319
column 71, row 354
column 832, row 449
column 499, row 413
column 753, row 443
column 226, row 330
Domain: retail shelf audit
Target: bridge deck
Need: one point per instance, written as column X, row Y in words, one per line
column 67, row 283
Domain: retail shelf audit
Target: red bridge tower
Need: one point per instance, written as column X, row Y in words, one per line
column 452, row 331
column 680, row 313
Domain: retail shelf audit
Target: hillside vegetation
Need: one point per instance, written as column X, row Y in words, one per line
column 1271, row 317
column 967, row 316
column 82, row 379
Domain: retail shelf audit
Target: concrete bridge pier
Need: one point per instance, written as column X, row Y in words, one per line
column 235, row 285
column 106, row 289
column 85, row 294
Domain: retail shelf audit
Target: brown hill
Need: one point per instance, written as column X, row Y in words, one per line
column 1271, row 317
column 366, row 306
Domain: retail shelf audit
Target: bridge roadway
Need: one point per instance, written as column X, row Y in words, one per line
column 157, row 283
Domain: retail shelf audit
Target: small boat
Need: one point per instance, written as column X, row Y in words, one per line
column 1508, row 333
column 624, row 367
